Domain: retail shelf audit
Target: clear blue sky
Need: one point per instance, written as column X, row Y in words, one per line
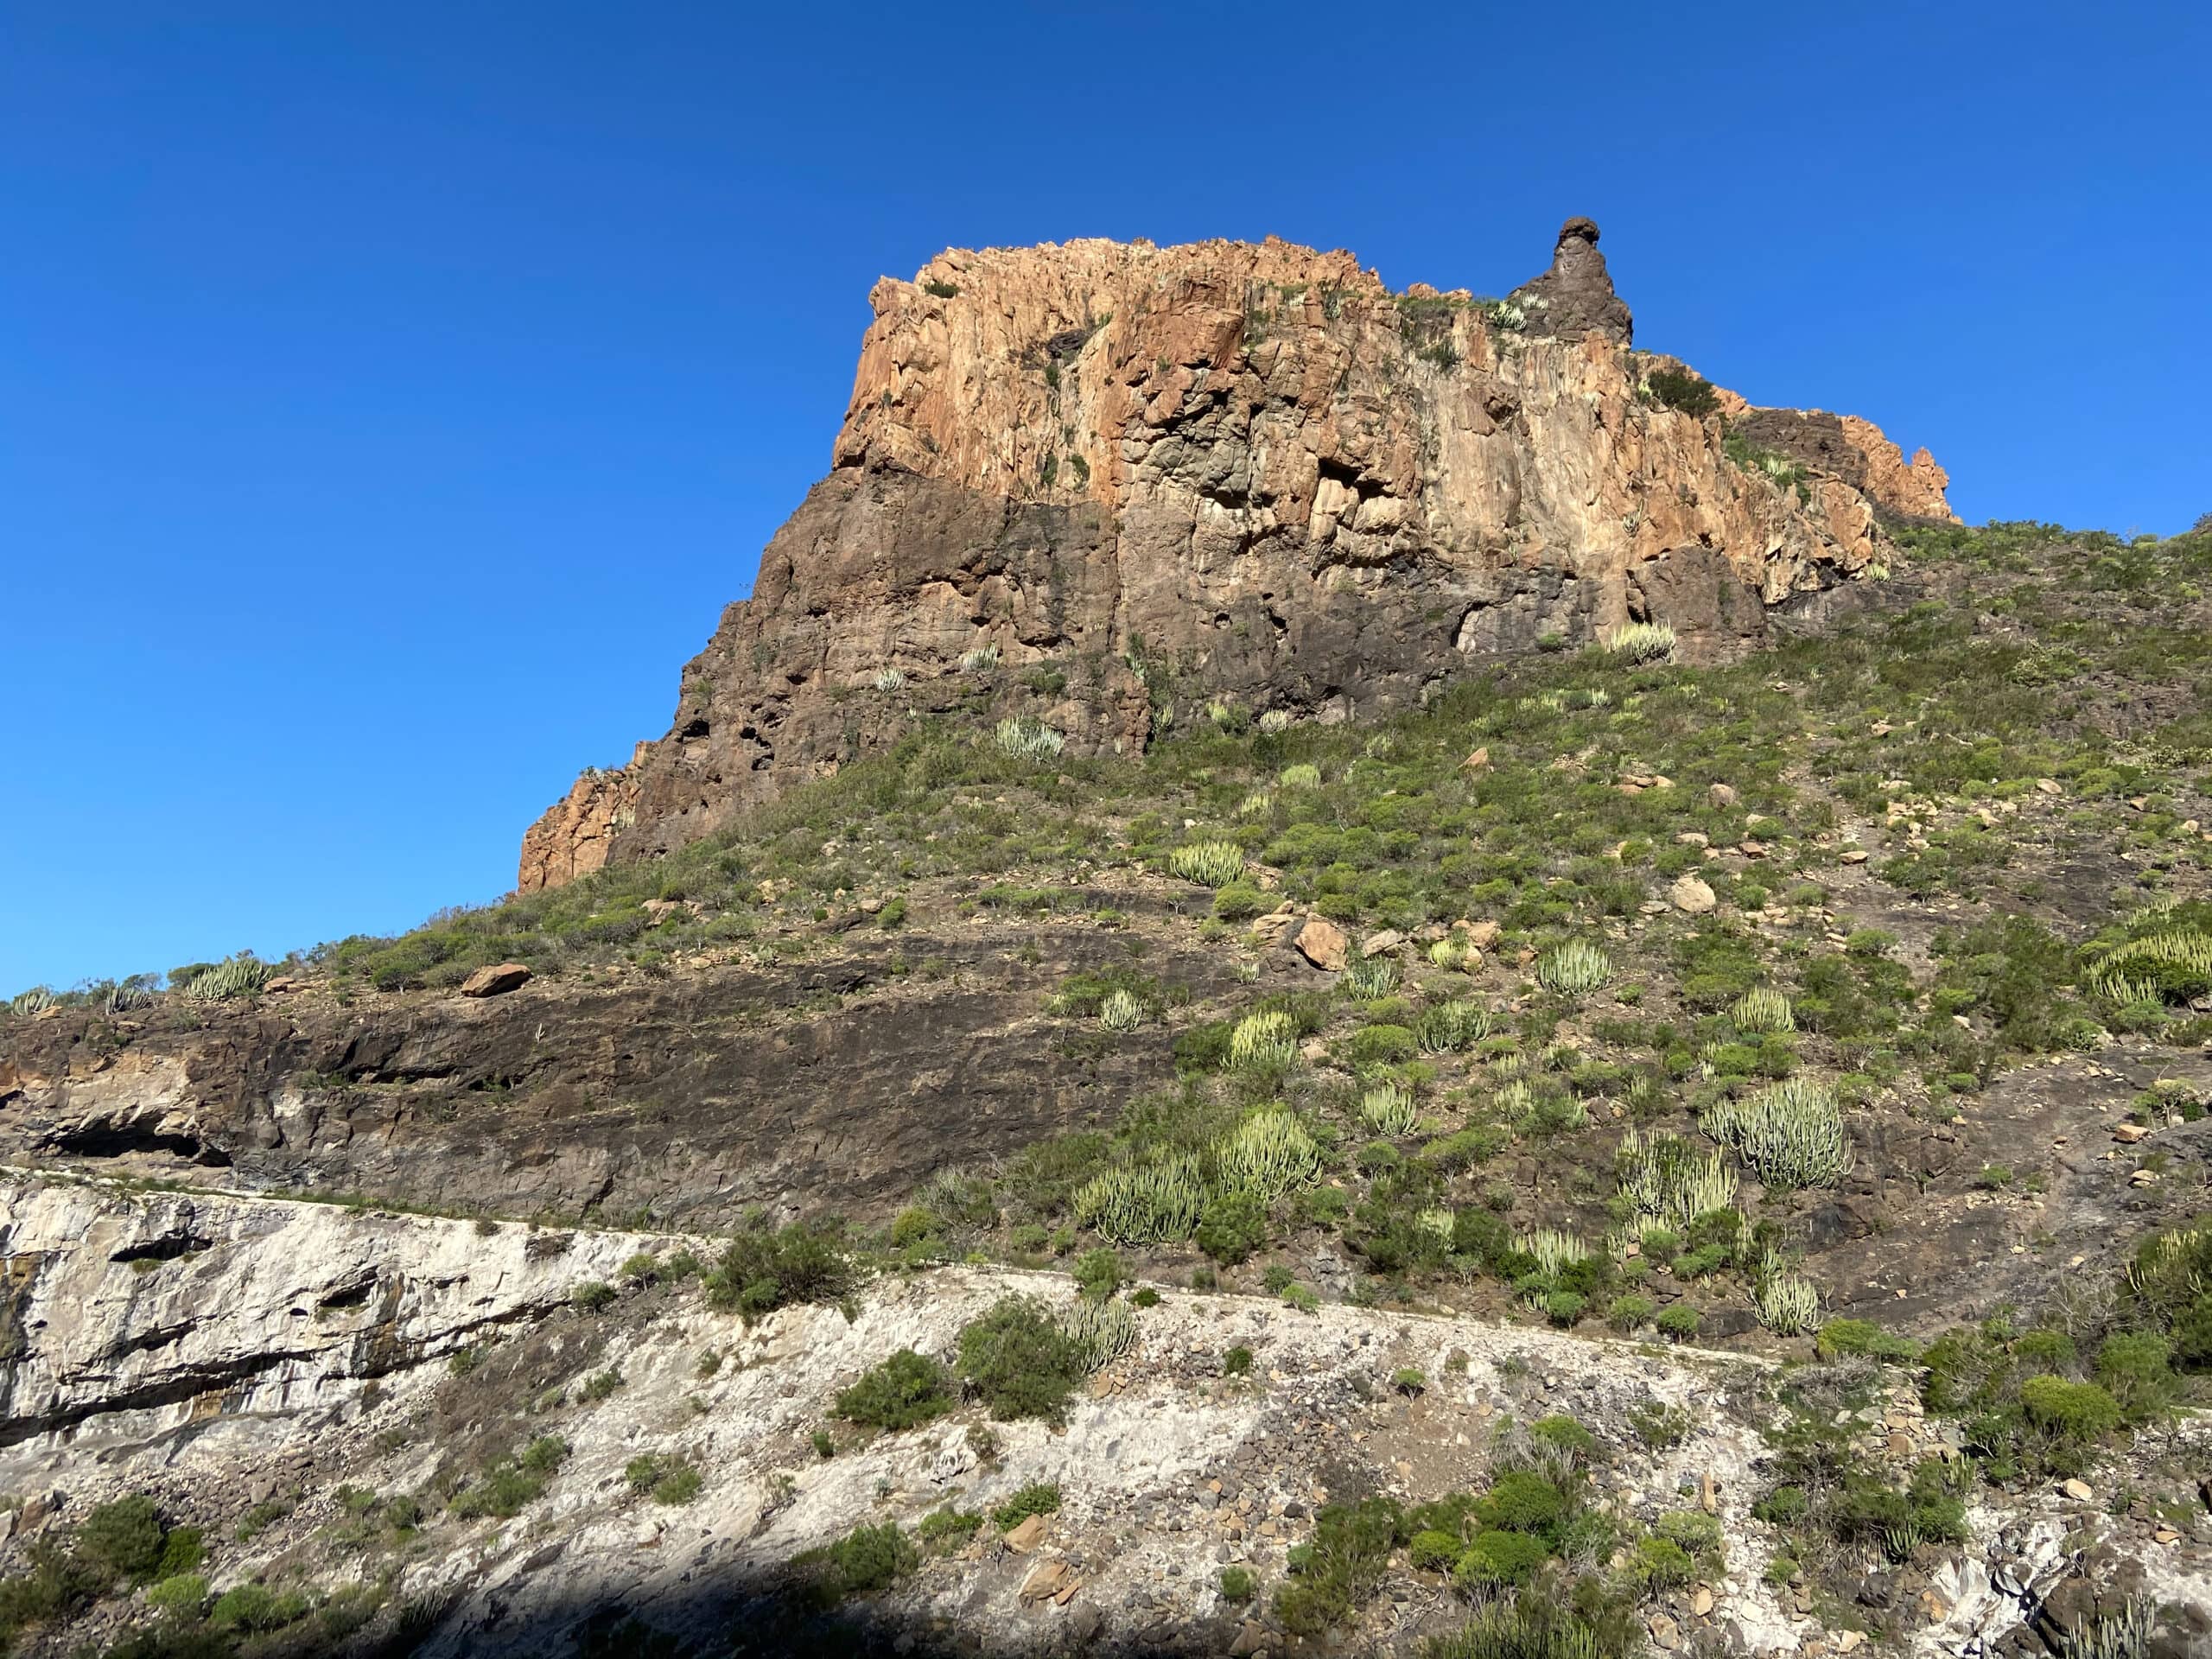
column 391, row 396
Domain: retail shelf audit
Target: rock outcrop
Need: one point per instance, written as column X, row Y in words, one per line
column 1089, row 483
column 265, row 1369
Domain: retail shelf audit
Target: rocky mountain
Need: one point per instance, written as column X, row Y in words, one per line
column 1141, row 478
column 1331, row 973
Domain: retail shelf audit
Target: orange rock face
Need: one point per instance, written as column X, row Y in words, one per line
column 1095, row 486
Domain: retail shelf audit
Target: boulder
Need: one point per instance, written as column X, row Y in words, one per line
column 1323, row 943
column 1691, row 895
column 495, row 981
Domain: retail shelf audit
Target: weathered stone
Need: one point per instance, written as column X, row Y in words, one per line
column 1027, row 1535
column 1323, row 943
column 1375, row 944
column 1691, row 895
column 496, row 980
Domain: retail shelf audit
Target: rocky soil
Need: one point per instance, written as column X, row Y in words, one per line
column 242, row 1358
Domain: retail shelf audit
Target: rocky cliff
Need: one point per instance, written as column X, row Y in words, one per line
column 1094, row 485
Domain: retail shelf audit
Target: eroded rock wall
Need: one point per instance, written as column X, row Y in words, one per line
column 1237, row 469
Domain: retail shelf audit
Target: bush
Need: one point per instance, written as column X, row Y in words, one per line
column 1236, row 1362
column 1679, row 1321
column 1846, row 1338
column 1498, row 1558
column 592, row 1297
column 256, row 1608
column 1341, row 1568
column 2077, row 1414
column 1683, row 390
column 1237, row 1584
column 2135, row 1369
column 1099, row 1273
column 948, row 1528
column 511, row 1482
column 762, row 1270
column 904, row 1391
column 1019, row 1360
column 865, row 1561
column 1233, row 1224
column 123, row 1537
column 1038, row 1498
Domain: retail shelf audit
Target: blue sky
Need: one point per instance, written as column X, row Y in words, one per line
column 391, row 397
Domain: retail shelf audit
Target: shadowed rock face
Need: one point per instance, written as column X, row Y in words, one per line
column 1139, row 474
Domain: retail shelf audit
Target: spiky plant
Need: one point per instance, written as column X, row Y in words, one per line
column 889, row 679
column 1449, row 952
column 1259, row 1041
column 1027, row 737
column 1209, row 863
column 1788, row 1304
column 1275, row 720
column 1761, row 1010
column 1371, row 977
column 2170, row 967
column 2122, row 1634
column 1515, row 1101
column 1790, row 1135
column 1642, row 642
column 1554, row 1249
column 1257, row 804
column 239, row 977
column 1106, row 1330
column 1268, row 1155
column 1387, row 1108
column 1574, row 969
column 1121, row 1010
column 1450, row 1027
column 37, row 1000
column 1438, row 1222
column 1143, row 1204
column 1302, row 775
column 1669, row 1183
column 979, row 659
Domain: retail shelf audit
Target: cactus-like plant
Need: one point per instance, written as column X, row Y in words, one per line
column 979, row 659
column 1788, row 1304
column 1275, row 720
column 1268, row 1154
column 239, row 977
column 1450, row 1027
column 1209, row 863
column 1121, row 1010
column 1789, row 1136
column 1257, row 804
column 37, row 1000
column 1267, row 1039
column 1669, row 1183
column 1555, row 1250
column 1106, row 1330
column 2170, row 967
column 1574, row 969
column 1387, row 1108
column 1302, row 775
column 889, row 679
column 1143, row 1204
column 1763, row 1009
column 1027, row 737
column 1370, row 977
column 1642, row 642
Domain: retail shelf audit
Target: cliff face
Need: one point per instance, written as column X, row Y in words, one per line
column 1112, row 476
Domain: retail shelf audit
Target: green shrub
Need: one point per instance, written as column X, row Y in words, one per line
column 255, row 1608
column 1373, row 1046
column 510, row 1484
column 1237, row 1584
column 1038, row 1498
column 123, row 1537
column 1841, row 1339
column 1342, row 1566
column 1233, row 1224
column 762, row 1270
column 1497, row 1558
column 1679, row 1321
column 2078, row 1413
column 1099, row 1273
column 948, row 1528
column 185, row 1593
column 865, row 1561
column 1021, row 1361
column 1684, row 390
column 1236, row 1362
column 592, row 1297
column 904, row 1391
